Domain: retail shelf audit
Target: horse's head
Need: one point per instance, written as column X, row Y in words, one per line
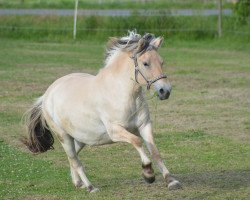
column 149, row 64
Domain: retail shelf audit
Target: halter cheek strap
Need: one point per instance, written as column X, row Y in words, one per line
column 137, row 71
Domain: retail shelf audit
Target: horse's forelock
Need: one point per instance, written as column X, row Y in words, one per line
column 133, row 42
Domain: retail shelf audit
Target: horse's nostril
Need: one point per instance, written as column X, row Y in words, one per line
column 161, row 91
column 167, row 94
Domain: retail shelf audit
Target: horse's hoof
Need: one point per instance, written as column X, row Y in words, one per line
column 148, row 179
column 92, row 189
column 174, row 185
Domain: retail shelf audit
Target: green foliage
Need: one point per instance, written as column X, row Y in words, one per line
column 100, row 28
column 242, row 11
column 60, row 28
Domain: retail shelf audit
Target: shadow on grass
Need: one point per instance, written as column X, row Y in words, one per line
column 220, row 180
column 226, row 180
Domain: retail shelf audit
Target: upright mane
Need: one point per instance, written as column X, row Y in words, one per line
column 133, row 42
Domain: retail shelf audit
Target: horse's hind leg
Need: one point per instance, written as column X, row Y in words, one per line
column 77, row 181
column 75, row 164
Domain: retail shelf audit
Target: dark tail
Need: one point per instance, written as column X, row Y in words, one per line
column 39, row 138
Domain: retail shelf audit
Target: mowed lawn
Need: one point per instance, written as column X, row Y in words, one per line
column 202, row 131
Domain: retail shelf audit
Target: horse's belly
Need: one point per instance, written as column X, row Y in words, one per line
column 92, row 134
column 93, row 139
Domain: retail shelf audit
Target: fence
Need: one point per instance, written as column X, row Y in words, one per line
column 212, row 19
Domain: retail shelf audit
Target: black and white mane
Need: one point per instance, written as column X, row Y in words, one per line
column 133, row 42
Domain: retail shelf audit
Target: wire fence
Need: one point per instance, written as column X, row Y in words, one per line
column 203, row 27
column 51, row 29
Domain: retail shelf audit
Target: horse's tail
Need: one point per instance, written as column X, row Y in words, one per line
column 39, row 138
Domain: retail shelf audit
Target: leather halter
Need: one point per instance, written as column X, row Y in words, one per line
column 137, row 70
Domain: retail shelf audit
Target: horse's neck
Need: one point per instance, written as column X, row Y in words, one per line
column 119, row 89
column 119, row 75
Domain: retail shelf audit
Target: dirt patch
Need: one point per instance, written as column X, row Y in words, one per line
column 41, row 198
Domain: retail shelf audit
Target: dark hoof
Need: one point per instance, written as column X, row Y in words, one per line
column 149, row 179
column 148, row 173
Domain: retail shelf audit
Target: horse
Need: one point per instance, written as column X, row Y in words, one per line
column 83, row 109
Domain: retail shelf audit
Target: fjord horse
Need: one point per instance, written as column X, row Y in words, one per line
column 82, row 109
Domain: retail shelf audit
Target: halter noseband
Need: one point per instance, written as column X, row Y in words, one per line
column 137, row 70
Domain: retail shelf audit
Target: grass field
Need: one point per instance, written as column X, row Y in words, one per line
column 202, row 131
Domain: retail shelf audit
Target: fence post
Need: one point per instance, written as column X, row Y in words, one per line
column 75, row 19
column 219, row 26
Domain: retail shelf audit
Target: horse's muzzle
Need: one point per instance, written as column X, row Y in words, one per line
column 163, row 94
column 163, row 91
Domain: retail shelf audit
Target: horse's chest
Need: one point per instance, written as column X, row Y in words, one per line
column 129, row 120
column 129, row 116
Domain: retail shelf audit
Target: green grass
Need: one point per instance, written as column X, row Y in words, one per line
column 60, row 28
column 202, row 131
column 205, row 169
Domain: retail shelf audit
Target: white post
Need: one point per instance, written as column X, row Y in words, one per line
column 75, row 19
column 219, row 28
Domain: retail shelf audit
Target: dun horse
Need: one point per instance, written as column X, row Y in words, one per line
column 82, row 109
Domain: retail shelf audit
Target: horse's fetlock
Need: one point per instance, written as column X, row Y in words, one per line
column 148, row 173
column 147, row 166
column 92, row 189
column 79, row 184
column 168, row 178
column 172, row 183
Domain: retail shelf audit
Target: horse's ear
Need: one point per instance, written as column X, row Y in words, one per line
column 157, row 42
column 141, row 45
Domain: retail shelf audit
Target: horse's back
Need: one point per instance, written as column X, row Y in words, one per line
column 69, row 81
column 69, row 88
column 70, row 78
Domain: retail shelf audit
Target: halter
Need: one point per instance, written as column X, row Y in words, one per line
column 137, row 70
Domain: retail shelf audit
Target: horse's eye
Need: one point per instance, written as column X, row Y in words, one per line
column 146, row 64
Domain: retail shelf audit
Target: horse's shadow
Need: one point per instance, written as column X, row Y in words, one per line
column 222, row 180
column 217, row 179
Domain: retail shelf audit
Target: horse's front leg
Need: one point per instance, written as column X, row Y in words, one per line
column 118, row 133
column 146, row 133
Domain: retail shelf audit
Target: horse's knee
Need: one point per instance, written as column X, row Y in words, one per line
column 74, row 162
column 136, row 141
